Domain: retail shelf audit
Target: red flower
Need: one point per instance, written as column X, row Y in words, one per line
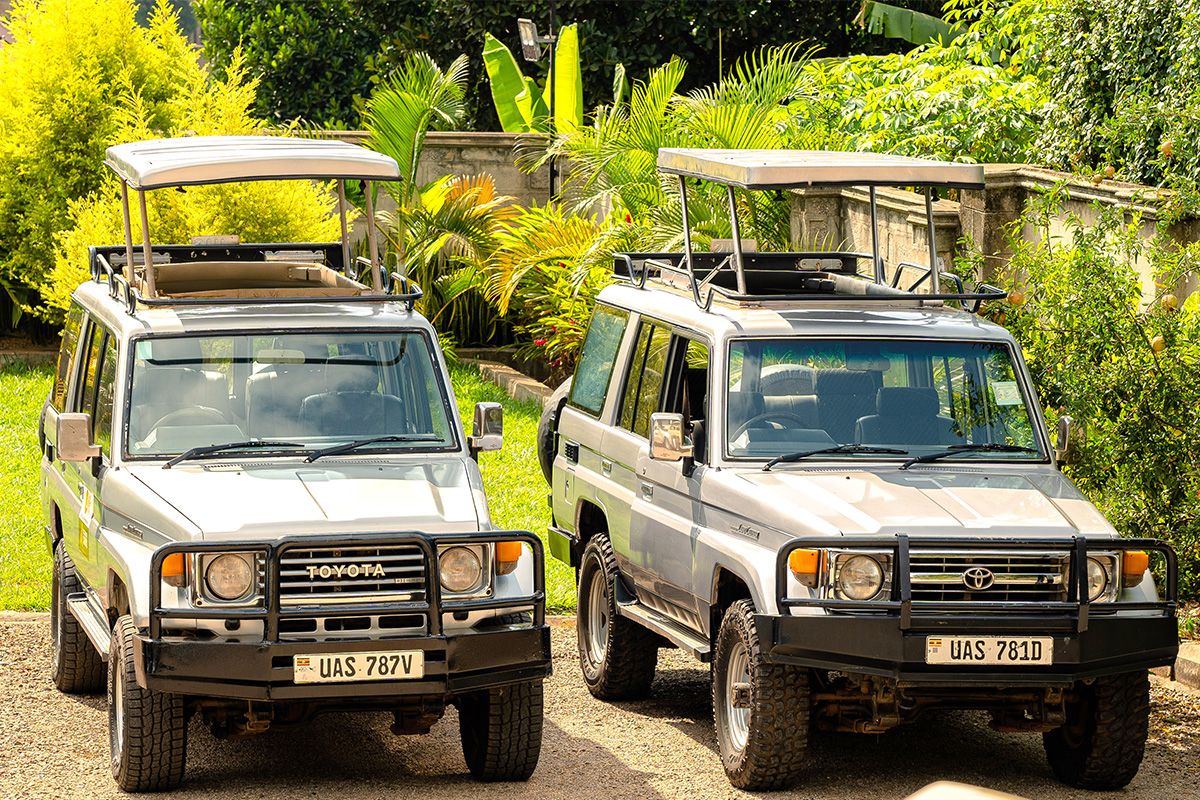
column 540, row 342
column 628, row 217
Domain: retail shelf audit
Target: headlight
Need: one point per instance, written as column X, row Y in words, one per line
column 1099, row 580
column 229, row 576
column 858, row 577
column 460, row 569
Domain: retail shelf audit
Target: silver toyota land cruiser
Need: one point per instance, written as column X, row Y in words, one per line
column 842, row 493
column 259, row 499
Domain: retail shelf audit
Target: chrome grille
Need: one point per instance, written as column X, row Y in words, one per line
column 345, row 575
column 1016, row 575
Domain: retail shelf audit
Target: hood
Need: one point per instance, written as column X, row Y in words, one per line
column 269, row 500
column 888, row 501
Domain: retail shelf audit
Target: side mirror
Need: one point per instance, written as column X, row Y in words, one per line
column 1069, row 438
column 73, row 437
column 667, row 442
column 487, row 430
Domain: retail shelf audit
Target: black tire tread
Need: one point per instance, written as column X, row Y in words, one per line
column 631, row 656
column 501, row 731
column 780, row 700
column 77, row 668
column 156, row 725
column 1116, row 711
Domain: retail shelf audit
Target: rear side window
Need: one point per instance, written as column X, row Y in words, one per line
column 66, row 357
column 91, row 370
column 596, row 359
column 644, row 381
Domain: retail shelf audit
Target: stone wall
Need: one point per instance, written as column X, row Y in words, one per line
column 824, row 218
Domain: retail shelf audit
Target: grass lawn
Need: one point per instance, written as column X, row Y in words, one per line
column 516, row 489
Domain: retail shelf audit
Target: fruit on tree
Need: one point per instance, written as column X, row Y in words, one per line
column 1158, row 344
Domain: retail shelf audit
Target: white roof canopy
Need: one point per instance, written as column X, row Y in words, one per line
column 789, row 169
column 195, row 160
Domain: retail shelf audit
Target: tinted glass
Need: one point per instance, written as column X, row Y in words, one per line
column 66, row 357
column 596, row 359
column 91, row 370
column 315, row 390
column 644, row 381
column 104, row 400
column 786, row 395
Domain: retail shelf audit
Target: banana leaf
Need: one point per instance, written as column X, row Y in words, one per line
column 902, row 23
column 532, row 106
column 507, row 84
column 568, row 81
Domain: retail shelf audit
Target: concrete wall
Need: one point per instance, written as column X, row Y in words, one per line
column 453, row 153
column 840, row 218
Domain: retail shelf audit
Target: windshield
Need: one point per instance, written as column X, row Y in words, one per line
column 314, row 390
column 790, row 395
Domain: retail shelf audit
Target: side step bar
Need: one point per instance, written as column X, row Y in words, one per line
column 92, row 622
column 666, row 628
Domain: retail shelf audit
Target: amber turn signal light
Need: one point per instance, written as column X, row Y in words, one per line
column 507, row 556
column 1133, row 567
column 174, row 570
column 805, row 565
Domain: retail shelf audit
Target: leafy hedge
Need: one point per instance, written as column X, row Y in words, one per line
column 315, row 59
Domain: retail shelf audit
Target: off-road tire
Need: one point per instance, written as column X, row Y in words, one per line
column 147, row 731
column 76, row 666
column 775, row 750
column 1104, row 738
column 547, row 431
column 501, row 731
column 630, row 652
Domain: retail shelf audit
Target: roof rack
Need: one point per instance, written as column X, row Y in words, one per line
column 196, row 160
column 741, row 276
column 108, row 264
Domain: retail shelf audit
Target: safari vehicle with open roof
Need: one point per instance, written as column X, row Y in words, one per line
column 259, row 499
column 841, row 492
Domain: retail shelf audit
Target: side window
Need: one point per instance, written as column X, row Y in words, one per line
column 596, row 359
column 91, row 369
column 66, row 357
column 104, row 401
column 643, row 383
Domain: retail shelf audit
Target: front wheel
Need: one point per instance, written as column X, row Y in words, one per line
column 761, row 709
column 147, row 731
column 501, row 731
column 1102, row 741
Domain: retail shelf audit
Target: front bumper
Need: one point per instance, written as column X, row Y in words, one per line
column 888, row 637
column 455, row 661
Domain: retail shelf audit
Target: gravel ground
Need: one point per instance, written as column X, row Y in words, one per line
column 52, row 745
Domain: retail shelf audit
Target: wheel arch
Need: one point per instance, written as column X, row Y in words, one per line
column 728, row 586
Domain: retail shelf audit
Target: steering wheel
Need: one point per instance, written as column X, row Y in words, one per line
column 197, row 415
column 769, row 416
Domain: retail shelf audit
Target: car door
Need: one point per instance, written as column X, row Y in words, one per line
column 666, row 515
column 96, row 383
column 57, row 493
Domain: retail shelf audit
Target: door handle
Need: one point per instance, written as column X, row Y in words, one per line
column 606, row 466
column 647, row 491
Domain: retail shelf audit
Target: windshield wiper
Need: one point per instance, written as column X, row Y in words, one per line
column 841, row 448
column 955, row 449
column 204, row 450
column 346, row 447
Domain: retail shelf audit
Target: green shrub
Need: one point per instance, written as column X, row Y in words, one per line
column 81, row 76
column 1128, row 373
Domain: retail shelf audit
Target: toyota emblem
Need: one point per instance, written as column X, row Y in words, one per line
column 978, row 578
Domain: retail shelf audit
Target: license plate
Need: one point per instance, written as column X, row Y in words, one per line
column 345, row 667
column 989, row 650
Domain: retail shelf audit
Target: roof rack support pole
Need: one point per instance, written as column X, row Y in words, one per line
column 147, row 250
column 346, row 265
column 372, row 242
column 128, row 230
column 687, row 239
column 739, row 261
column 935, row 273
column 876, row 261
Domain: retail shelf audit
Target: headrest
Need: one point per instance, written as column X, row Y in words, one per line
column 351, row 374
column 843, row 381
column 909, row 402
column 159, row 383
